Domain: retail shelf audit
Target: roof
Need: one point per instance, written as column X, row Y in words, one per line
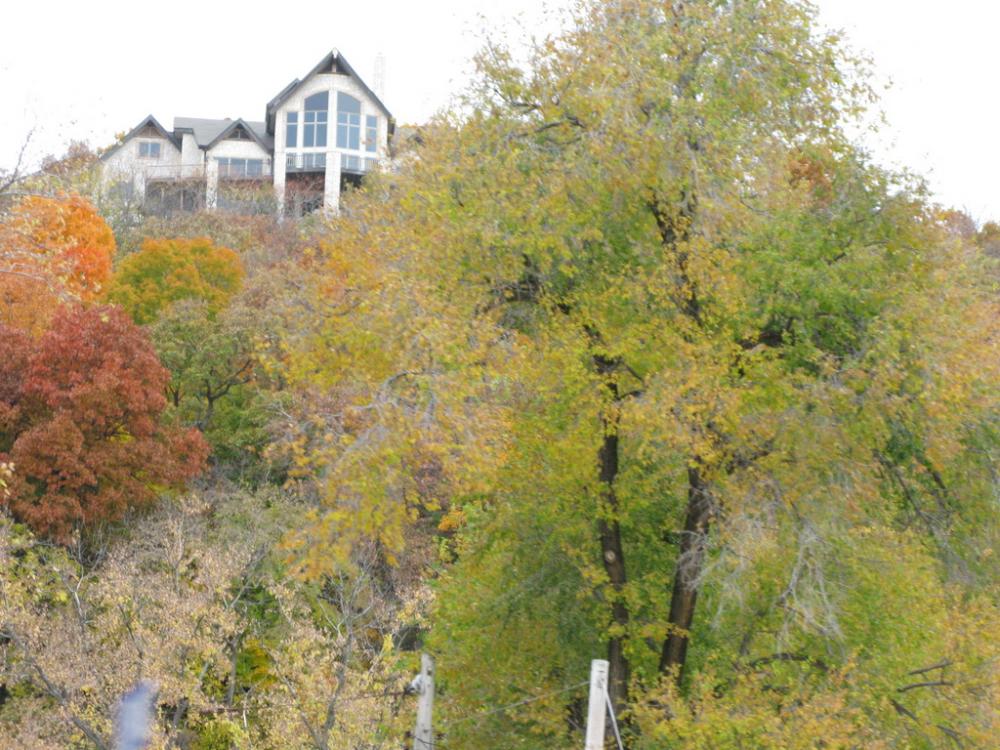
column 333, row 60
column 146, row 121
column 209, row 132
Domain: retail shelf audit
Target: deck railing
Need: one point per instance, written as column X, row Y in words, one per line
column 316, row 162
column 173, row 171
column 312, row 162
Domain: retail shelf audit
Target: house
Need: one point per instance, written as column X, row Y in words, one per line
column 319, row 134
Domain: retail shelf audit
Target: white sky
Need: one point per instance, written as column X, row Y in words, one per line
column 86, row 69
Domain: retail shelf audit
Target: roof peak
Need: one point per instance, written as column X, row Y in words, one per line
column 331, row 59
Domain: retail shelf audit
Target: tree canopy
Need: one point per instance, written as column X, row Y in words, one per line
column 80, row 422
column 51, row 250
column 165, row 271
column 688, row 375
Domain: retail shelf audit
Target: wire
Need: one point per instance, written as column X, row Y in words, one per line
column 522, row 702
column 614, row 721
column 432, row 744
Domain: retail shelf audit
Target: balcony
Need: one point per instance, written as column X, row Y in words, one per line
column 357, row 164
column 305, row 162
column 173, row 172
column 243, row 169
column 316, row 162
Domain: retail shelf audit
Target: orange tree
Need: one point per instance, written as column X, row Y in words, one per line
column 51, row 249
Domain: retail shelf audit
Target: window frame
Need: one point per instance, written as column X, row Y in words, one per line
column 315, row 122
column 348, row 122
column 371, row 133
column 149, row 147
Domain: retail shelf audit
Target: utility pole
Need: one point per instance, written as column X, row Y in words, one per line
column 423, row 733
column 597, row 704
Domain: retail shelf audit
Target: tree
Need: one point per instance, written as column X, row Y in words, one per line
column 165, row 271
column 193, row 597
column 80, row 421
column 51, row 250
column 689, row 372
column 212, row 366
column 66, row 234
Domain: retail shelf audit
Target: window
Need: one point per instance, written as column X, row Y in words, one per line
column 292, row 130
column 371, row 133
column 149, row 150
column 317, row 111
column 348, row 122
column 231, row 167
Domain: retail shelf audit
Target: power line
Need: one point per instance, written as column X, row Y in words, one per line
column 432, row 744
column 522, row 702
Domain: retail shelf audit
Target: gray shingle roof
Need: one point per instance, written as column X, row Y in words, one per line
column 206, row 131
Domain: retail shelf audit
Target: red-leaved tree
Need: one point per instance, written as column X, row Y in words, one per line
column 80, row 420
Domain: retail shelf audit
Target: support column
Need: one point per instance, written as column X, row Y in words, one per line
column 278, row 166
column 139, row 185
column 331, row 183
column 211, row 183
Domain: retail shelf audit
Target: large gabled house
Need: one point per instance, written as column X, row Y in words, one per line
column 319, row 133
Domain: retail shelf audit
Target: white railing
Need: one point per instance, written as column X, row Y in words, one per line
column 359, row 164
column 173, row 171
column 316, row 162
column 305, row 162
column 246, row 171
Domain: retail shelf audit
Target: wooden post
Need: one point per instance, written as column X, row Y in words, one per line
column 423, row 734
column 597, row 704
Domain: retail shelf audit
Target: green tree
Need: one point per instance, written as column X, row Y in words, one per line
column 212, row 384
column 689, row 375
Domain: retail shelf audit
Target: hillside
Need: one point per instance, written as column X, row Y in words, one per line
column 634, row 356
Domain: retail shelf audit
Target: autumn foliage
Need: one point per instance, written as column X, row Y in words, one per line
column 80, row 420
column 165, row 271
column 51, row 249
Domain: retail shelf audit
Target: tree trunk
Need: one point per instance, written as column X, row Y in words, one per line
column 614, row 566
column 690, row 563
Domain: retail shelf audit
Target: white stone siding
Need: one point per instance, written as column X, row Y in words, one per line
column 192, row 157
column 125, row 164
column 238, row 149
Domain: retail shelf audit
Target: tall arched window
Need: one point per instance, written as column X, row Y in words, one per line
column 348, row 122
column 314, row 123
